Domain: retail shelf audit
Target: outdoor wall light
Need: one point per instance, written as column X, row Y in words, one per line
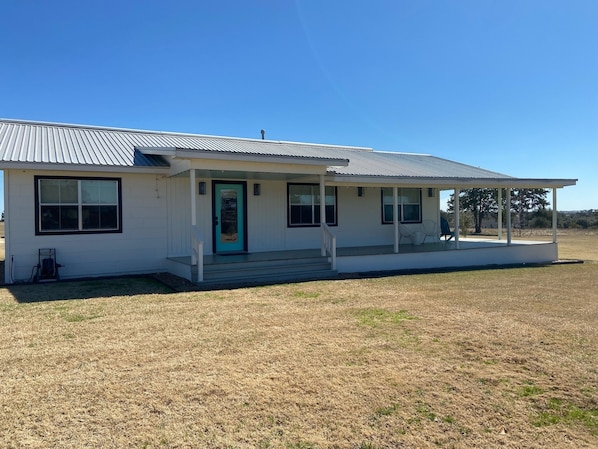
column 430, row 192
column 360, row 191
column 202, row 188
column 257, row 189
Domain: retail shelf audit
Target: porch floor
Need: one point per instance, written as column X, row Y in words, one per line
column 442, row 246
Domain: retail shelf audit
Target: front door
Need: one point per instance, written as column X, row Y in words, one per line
column 229, row 221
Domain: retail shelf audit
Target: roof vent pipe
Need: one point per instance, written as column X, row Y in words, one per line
column 263, row 131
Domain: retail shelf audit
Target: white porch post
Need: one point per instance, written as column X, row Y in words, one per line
column 457, row 218
column 7, row 220
column 193, row 214
column 500, row 213
column 508, row 216
column 395, row 216
column 554, row 215
column 193, row 204
column 323, row 210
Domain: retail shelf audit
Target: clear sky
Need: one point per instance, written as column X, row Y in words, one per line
column 508, row 85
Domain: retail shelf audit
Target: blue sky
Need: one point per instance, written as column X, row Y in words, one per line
column 511, row 86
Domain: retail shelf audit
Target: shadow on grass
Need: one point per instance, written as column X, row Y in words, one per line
column 87, row 289
column 164, row 283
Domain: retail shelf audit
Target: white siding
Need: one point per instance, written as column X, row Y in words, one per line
column 179, row 217
column 140, row 248
column 157, row 221
column 359, row 221
column 266, row 216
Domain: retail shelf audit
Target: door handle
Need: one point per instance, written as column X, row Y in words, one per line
column 215, row 221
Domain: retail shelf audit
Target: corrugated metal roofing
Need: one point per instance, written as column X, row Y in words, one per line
column 50, row 143
column 404, row 165
column 73, row 144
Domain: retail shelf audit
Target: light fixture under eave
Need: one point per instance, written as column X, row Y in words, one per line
column 360, row 191
column 202, row 188
column 257, row 189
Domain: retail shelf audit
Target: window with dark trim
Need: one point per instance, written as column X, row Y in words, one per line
column 304, row 205
column 69, row 205
column 410, row 205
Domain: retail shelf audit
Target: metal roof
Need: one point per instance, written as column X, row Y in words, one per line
column 410, row 165
column 35, row 142
column 39, row 143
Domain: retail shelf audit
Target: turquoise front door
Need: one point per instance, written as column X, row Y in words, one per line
column 229, row 221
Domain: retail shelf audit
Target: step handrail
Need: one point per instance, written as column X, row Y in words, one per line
column 329, row 245
column 197, row 251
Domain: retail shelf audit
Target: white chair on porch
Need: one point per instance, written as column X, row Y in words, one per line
column 429, row 227
column 406, row 232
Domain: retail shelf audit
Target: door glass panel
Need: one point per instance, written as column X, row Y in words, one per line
column 229, row 223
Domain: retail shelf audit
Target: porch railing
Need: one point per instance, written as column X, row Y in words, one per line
column 197, row 251
column 329, row 244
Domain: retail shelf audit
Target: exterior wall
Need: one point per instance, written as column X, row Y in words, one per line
column 359, row 218
column 140, row 248
column 179, row 216
column 359, row 221
column 157, row 220
column 267, row 216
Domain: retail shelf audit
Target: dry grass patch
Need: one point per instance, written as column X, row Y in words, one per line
column 501, row 358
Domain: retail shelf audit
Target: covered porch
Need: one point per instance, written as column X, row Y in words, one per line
column 350, row 244
column 308, row 264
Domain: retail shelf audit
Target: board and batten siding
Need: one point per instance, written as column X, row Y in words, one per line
column 179, row 217
column 140, row 248
column 359, row 221
column 266, row 216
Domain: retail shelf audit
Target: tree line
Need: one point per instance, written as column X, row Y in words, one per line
column 529, row 209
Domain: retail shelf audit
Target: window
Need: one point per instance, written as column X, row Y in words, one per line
column 304, row 205
column 409, row 200
column 77, row 205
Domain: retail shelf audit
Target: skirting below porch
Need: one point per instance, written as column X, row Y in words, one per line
column 445, row 255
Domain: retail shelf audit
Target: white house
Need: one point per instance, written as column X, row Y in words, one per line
column 219, row 209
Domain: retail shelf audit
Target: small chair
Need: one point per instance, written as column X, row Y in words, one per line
column 445, row 230
column 429, row 227
column 404, row 231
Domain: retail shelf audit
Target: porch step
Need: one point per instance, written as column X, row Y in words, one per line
column 266, row 271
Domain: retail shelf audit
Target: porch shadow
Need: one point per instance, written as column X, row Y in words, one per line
column 88, row 289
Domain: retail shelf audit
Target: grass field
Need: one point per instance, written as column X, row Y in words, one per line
column 473, row 359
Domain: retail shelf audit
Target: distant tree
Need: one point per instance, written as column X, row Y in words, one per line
column 540, row 219
column 524, row 201
column 584, row 219
column 482, row 203
column 479, row 202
